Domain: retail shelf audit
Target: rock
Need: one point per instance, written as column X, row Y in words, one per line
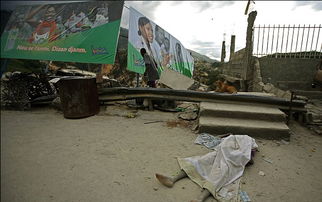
column 277, row 142
column 195, row 126
column 280, row 93
column 155, row 188
column 285, row 142
column 56, row 103
column 131, row 115
column 261, row 173
column 188, row 116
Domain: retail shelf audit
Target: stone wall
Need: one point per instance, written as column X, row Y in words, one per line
column 288, row 73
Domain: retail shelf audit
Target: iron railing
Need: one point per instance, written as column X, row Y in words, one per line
column 286, row 41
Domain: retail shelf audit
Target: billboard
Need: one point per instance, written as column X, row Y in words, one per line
column 72, row 32
column 166, row 50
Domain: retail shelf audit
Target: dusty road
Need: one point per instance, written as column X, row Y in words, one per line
column 109, row 157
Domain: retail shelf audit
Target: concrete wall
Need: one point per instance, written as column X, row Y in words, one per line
column 288, row 73
column 235, row 65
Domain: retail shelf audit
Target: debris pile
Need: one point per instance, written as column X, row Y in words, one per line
column 314, row 116
column 206, row 74
column 19, row 90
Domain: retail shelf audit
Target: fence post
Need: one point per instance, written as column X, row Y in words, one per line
column 223, row 52
column 232, row 46
column 247, row 63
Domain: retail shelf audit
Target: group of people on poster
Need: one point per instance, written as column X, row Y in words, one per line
column 162, row 48
column 46, row 23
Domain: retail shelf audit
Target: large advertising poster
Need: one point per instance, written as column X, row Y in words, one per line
column 71, row 32
column 165, row 49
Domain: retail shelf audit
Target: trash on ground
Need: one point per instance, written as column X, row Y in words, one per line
column 131, row 115
column 226, row 193
column 244, row 196
column 188, row 116
column 208, row 140
column 261, row 173
column 56, row 103
column 153, row 122
column 268, row 160
column 186, row 106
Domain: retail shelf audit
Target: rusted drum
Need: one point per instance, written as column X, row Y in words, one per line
column 78, row 97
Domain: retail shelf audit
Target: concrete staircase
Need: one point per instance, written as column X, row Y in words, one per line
column 256, row 121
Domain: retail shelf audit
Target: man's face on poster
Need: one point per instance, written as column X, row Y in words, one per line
column 20, row 20
column 50, row 14
column 167, row 44
column 179, row 54
column 160, row 36
column 147, row 32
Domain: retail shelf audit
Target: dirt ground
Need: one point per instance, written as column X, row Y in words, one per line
column 113, row 156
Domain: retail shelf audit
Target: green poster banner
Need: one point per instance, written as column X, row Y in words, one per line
column 74, row 32
column 135, row 60
column 163, row 48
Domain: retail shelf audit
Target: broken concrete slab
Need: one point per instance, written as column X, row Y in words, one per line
column 175, row 80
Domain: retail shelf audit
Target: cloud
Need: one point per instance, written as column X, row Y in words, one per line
column 201, row 6
column 205, row 5
column 208, row 48
column 210, row 52
column 222, row 4
column 176, row 3
column 147, row 8
column 315, row 5
column 201, row 44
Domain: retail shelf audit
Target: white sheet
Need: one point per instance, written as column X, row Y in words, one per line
column 222, row 166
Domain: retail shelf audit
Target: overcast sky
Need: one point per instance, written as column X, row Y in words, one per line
column 203, row 25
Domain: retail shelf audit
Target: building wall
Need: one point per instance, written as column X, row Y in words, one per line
column 288, row 73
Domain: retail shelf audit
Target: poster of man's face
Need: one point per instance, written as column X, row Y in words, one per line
column 159, row 35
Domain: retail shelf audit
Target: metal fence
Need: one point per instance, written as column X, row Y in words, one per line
column 286, row 41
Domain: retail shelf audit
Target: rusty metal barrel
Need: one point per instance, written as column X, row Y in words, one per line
column 79, row 97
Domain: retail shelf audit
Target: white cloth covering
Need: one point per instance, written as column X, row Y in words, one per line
column 221, row 167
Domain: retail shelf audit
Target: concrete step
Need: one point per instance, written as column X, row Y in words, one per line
column 253, row 128
column 241, row 111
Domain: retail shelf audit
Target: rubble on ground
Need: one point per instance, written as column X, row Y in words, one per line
column 19, row 90
column 314, row 116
